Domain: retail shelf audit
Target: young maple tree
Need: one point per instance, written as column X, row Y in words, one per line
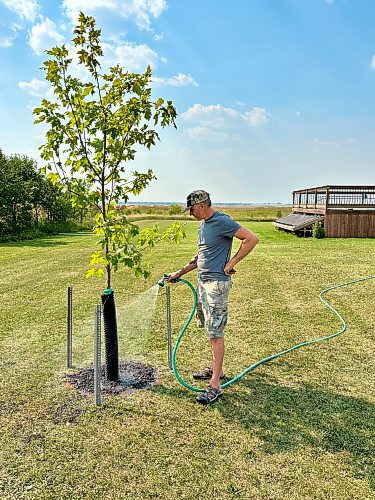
column 94, row 126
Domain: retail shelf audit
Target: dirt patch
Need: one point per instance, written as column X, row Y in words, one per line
column 132, row 377
column 67, row 413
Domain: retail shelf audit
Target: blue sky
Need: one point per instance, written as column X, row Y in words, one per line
column 272, row 95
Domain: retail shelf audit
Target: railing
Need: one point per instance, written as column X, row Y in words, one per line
column 309, row 205
column 334, row 198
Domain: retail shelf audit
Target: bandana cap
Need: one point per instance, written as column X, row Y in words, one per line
column 196, row 197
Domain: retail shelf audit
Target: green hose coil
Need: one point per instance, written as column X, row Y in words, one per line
column 269, row 358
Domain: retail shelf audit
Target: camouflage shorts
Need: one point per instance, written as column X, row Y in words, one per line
column 212, row 306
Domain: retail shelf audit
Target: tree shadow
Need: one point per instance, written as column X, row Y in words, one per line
column 42, row 242
column 285, row 418
column 45, row 241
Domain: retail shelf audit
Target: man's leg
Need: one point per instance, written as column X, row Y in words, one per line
column 213, row 296
column 213, row 391
column 217, row 347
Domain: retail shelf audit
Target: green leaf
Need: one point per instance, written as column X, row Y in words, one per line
column 97, row 145
column 95, row 271
column 137, row 88
column 54, row 178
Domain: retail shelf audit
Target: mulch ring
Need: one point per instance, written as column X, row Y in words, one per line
column 132, row 377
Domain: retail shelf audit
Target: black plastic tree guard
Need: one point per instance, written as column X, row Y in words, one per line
column 110, row 335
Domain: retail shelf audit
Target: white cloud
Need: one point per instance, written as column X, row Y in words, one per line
column 141, row 10
column 212, row 112
column 44, row 35
column 257, row 116
column 26, row 9
column 205, row 133
column 36, row 87
column 373, row 62
column 180, row 80
column 132, row 57
column 158, row 36
column 6, row 42
column 156, row 6
column 217, row 116
column 216, row 123
column 74, row 7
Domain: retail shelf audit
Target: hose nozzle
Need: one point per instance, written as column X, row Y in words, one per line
column 162, row 281
column 164, row 278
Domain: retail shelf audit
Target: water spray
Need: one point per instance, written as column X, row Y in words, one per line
column 269, row 358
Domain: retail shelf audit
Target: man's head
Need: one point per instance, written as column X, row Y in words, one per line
column 199, row 204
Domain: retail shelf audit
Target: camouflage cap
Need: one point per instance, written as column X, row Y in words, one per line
column 196, row 197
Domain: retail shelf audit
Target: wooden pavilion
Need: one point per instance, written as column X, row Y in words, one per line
column 344, row 211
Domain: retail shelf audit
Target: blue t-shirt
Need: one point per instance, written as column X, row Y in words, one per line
column 215, row 238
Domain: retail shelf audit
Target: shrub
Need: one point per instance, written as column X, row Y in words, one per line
column 318, row 230
column 175, row 210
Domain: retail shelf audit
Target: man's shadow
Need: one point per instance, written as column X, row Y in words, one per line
column 286, row 418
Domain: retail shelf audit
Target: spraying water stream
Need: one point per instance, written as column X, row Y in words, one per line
column 134, row 319
column 134, row 322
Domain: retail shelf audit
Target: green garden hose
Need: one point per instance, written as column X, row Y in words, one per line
column 269, row 358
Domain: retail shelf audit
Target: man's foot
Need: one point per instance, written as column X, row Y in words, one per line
column 209, row 395
column 205, row 374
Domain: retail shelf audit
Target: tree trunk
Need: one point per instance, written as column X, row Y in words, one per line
column 109, row 317
column 110, row 335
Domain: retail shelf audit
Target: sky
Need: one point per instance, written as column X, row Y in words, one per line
column 271, row 95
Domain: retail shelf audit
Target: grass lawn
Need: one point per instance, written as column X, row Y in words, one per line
column 301, row 427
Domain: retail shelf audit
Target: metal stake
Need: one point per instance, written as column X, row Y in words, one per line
column 169, row 325
column 70, row 328
column 97, row 354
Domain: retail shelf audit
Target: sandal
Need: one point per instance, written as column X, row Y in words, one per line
column 209, row 395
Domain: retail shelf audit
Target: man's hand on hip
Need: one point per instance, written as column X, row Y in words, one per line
column 228, row 270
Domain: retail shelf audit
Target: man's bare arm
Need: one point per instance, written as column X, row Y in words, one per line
column 248, row 242
column 192, row 264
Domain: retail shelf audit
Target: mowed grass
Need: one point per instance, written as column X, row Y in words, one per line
column 301, row 427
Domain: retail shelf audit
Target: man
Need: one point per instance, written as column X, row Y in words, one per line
column 215, row 268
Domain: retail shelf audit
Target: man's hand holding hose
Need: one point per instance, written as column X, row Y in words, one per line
column 192, row 264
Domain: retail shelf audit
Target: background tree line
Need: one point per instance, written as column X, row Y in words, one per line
column 30, row 204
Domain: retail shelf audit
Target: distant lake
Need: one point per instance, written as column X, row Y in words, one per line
column 219, row 204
